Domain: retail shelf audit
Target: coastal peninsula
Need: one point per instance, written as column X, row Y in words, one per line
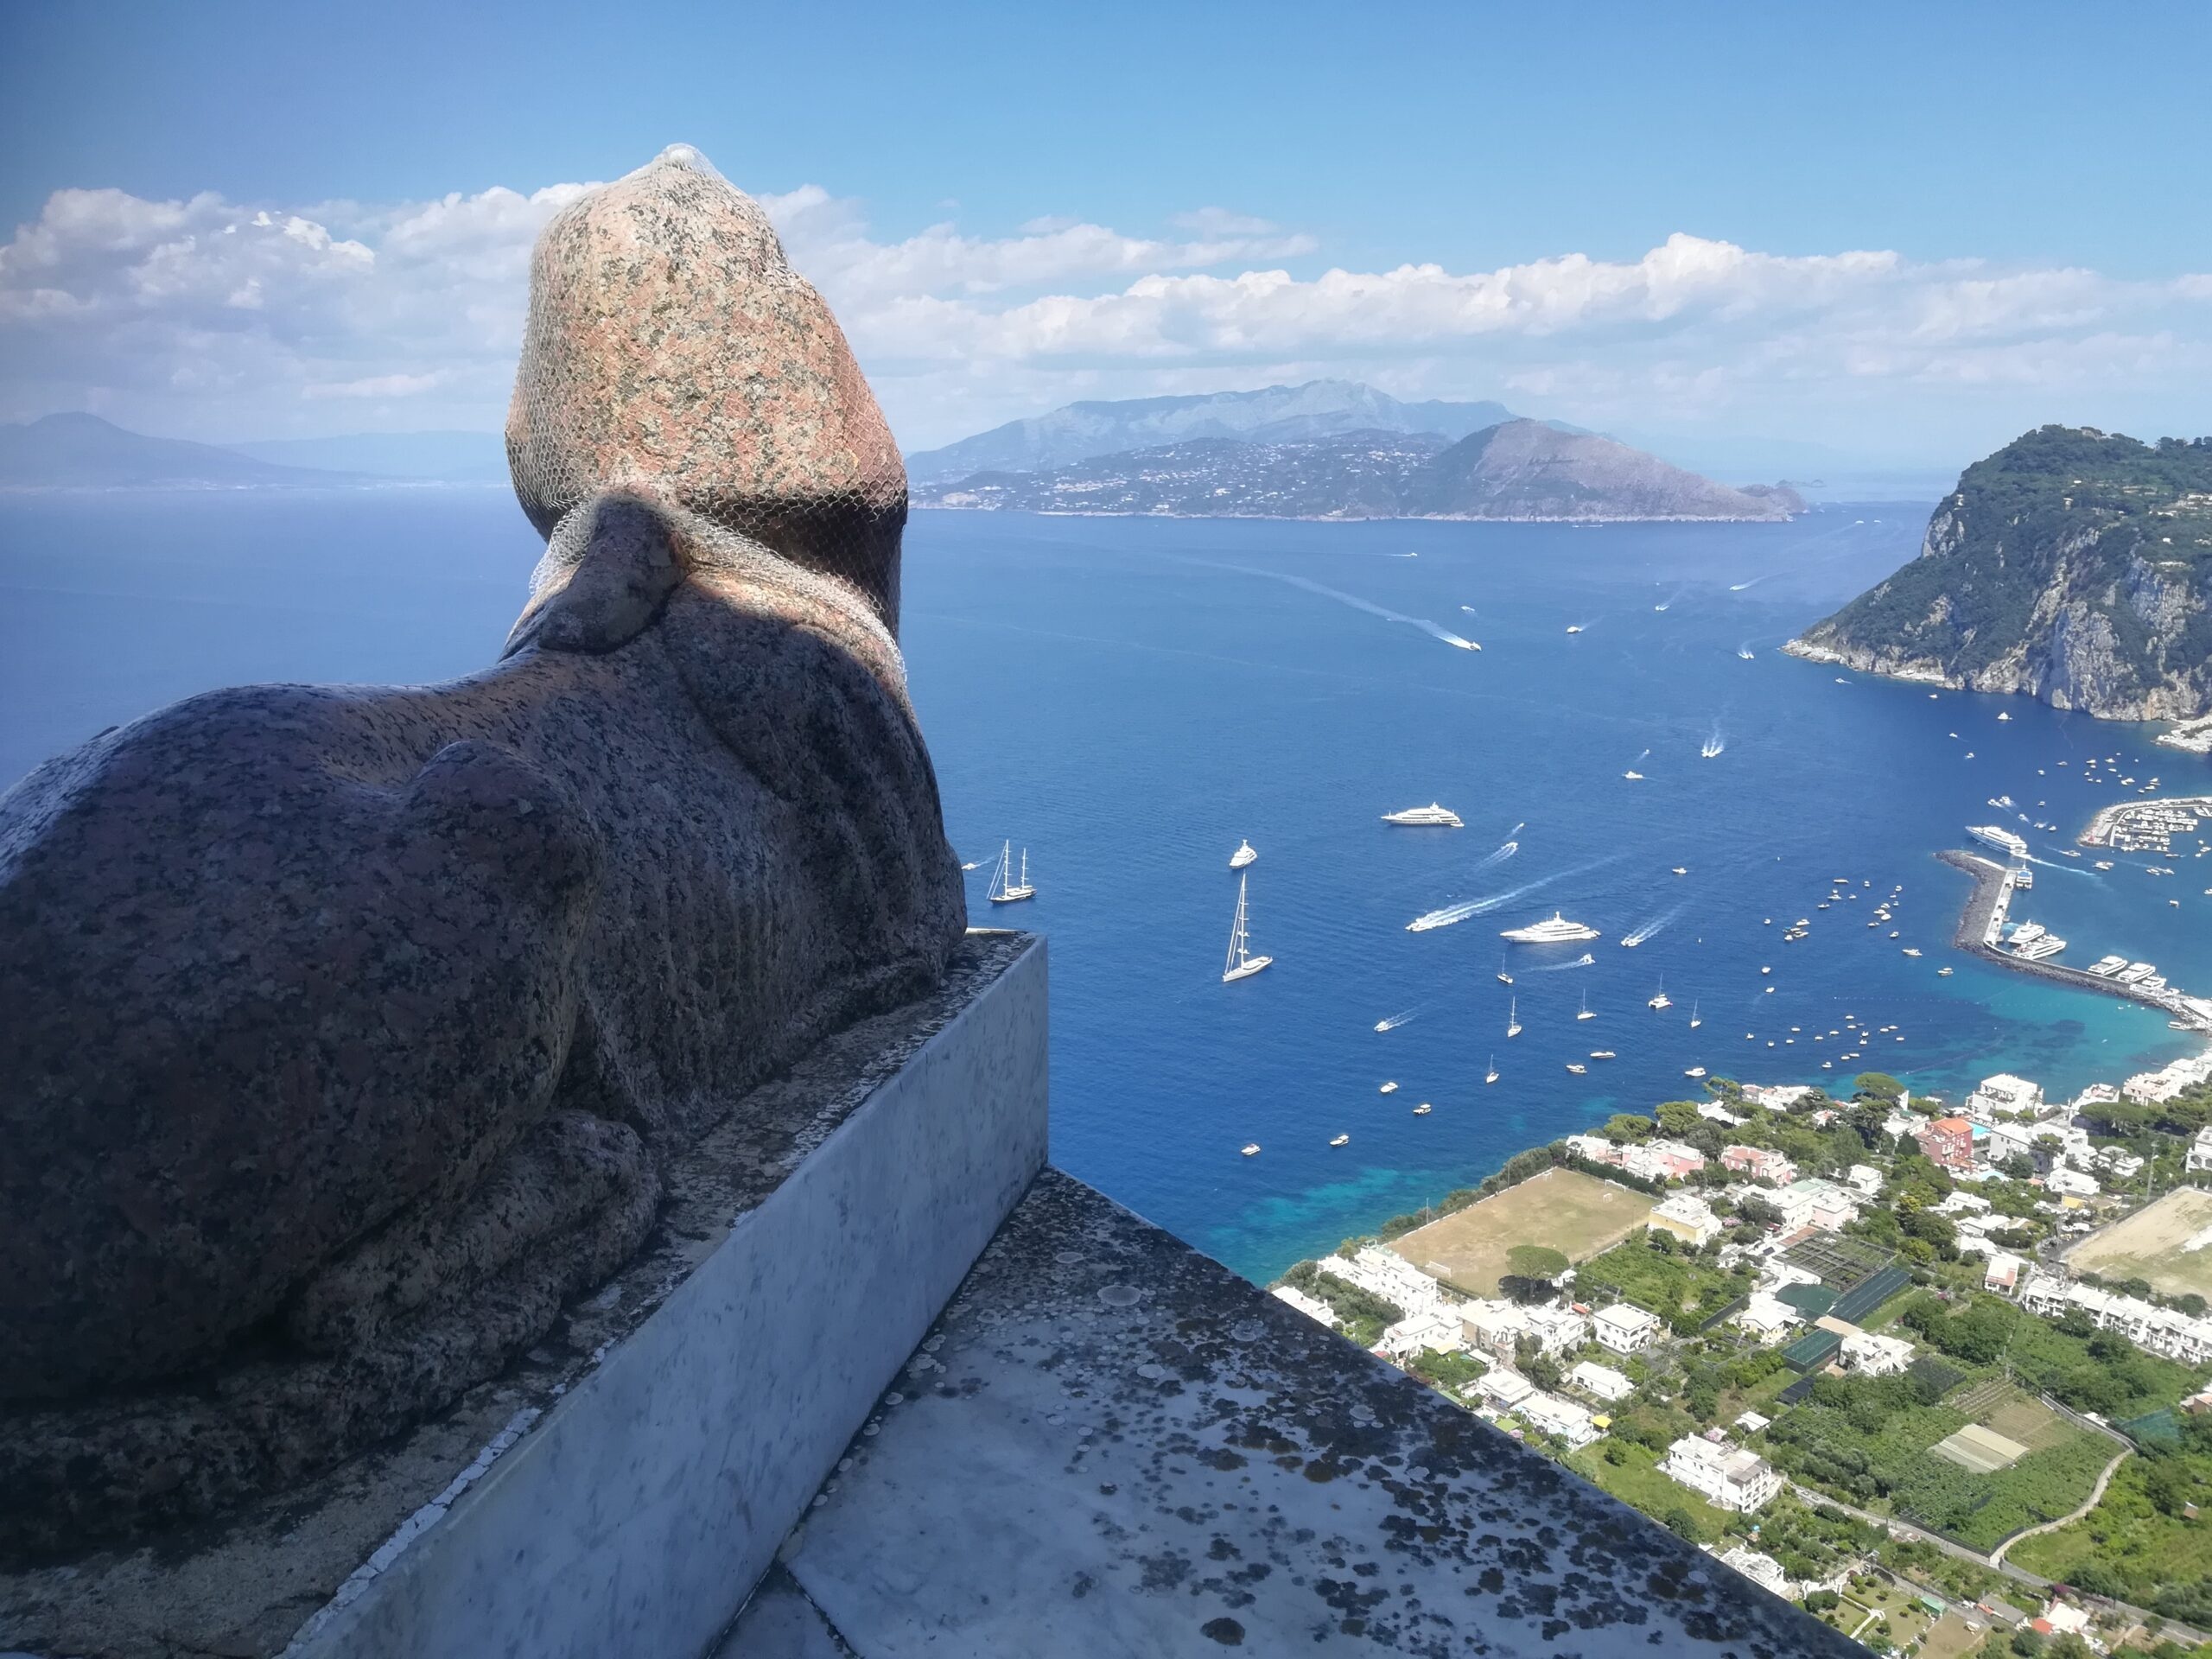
column 2072, row 566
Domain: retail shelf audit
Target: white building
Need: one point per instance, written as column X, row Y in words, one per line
column 1624, row 1328
column 2004, row 1096
column 1816, row 1203
column 2151, row 1088
column 1713, row 1112
column 1762, row 1570
column 1505, row 1390
column 2200, row 1150
column 1595, row 1148
column 1768, row 1316
column 2069, row 1183
column 1494, row 1328
column 1869, row 1354
column 1688, row 1219
column 1603, row 1380
column 1557, row 1330
column 1311, row 1306
column 1777, row 1097
column 1722, row 1472
column 1385, row 1273
column 1421, row 1333
column 2163, row 1331
column 1560, row 1419
column 1865, row 1179
column 2003, row 1273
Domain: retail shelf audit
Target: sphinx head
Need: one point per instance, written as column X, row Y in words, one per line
column 672, row 353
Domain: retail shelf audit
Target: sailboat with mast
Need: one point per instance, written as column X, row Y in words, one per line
column 1694, row 1020
column 1586, row 1013
column 1659, row 999
column 1513, row 1017
column 1241, row 964
column 1490, row 1076
column 1005, row 889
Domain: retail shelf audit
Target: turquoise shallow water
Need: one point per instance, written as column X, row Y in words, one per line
column 1128, row 697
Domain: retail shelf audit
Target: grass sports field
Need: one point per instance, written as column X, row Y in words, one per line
column 2148, row 1245
column 1563, row 1210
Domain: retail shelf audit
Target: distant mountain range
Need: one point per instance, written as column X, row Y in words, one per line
column 1510, row 469
column 84, row 452
column 2073, row 565
column 1274, row 415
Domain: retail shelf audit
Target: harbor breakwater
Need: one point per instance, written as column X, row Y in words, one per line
column 1984, row 913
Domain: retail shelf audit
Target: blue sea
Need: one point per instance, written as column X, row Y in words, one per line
column 1128, row 698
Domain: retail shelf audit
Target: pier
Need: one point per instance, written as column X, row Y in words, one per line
column 1980, row 928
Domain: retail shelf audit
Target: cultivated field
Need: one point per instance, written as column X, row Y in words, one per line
column 1563, row 1210
column 1979, row 1451
column 2148, row 1245
column 1996, row 1404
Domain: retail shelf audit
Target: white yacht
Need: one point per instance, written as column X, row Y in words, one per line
column 1513, row 1016
column 1577, row 1067
column 1694, row 1021
column 1558, row 931
column 1694, row 1071
column 1659, row 999
column 1390, row 1088
column 1585, row 1013
column 1490, row 1076
column 1423, row 1109
column 1251, row 1148
column 1241, row 964
column 1430, row 816
column 1005, row 889
column 1997, row 835
column 1574, row 628
column 1503, row 978
column 1635, row 774
column 1342, row 1139
column 1244, row 855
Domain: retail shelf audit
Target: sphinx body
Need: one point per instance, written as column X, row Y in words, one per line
column 346, row 1029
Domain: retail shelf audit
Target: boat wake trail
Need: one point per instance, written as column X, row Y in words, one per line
column 1395, row 1020
column 2052, row 864
column 1713, row 744
column 1643, row 930
column 1500, row 855
column 1368, row 606
column 1738, row 587
column 1668, row 603
column 1583, row 961
column 1454, row 913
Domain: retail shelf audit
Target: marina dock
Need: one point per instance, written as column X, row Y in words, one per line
column 1981, row 923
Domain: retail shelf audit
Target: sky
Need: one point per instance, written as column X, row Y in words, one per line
column 1895, row 234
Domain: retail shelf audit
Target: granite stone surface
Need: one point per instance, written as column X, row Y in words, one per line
column 1108, row 1444
column 631, row 1471
column 350, row 1031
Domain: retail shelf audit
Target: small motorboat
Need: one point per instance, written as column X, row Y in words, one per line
column 1342, row 1139
column 1251, row 1148
column 1389, row 1087
column 1422, row 1111
column 1577, row 1067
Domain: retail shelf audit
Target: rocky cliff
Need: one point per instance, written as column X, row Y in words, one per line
column 2072, row 565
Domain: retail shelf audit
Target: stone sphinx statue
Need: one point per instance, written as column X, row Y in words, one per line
column 344, row 1031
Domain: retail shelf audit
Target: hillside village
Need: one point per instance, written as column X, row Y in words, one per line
column 1899, row 1360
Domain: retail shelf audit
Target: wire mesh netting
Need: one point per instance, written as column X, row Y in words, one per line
column 672, row 352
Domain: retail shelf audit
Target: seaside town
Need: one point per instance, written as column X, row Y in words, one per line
column 1940, row 1373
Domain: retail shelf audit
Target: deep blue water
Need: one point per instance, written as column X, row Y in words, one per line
column 1126, row 698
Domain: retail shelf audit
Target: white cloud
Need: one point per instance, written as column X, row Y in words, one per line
column 207, row 317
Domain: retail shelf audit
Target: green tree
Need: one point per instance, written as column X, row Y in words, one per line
column 1877, row 1085
column 1536, row 1260
column 1680, row 1522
